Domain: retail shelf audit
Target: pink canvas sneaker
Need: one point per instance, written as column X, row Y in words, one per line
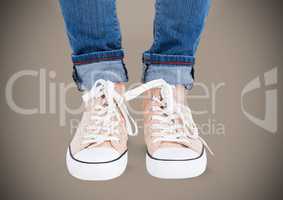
column 98, row 150
column 174, row 148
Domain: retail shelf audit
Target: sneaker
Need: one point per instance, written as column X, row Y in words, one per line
column 174, row 148
column 98, row 150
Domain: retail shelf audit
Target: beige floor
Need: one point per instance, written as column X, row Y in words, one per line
column 243, row 40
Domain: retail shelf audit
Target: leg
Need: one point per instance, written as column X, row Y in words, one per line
column 94, row 34
column 175, row 150
column 177, row 30
column 98, row 150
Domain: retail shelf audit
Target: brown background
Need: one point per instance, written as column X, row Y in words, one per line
column 243, row 39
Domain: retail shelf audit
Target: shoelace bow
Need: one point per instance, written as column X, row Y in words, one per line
column 169, row 113
column 106, row 105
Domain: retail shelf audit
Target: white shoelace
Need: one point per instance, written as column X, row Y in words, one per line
column 167, row 129
column 107, row 105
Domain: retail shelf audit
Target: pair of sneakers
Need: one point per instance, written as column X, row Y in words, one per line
column 99, row 150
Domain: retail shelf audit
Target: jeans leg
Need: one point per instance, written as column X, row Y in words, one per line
column 93, row 30
column 177, row 29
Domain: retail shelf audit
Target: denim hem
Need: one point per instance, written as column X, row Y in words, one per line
column 86, row 75
column 98, row 57
column 161, row 59
column 172, row 74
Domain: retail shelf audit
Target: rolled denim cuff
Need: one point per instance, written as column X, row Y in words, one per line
column 160, row 59
column 85, row 75
column 175, row 70
column 100, row 56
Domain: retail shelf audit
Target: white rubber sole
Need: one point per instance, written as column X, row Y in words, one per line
column 96, row 171
column 176, row 169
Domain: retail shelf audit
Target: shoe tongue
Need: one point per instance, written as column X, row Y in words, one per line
column 93, row 102
column 156, row 93
column 178, row 94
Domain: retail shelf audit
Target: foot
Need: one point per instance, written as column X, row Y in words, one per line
column 174, row 148
column 98, row 150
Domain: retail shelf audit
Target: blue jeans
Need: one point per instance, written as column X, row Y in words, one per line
column 94, row 34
